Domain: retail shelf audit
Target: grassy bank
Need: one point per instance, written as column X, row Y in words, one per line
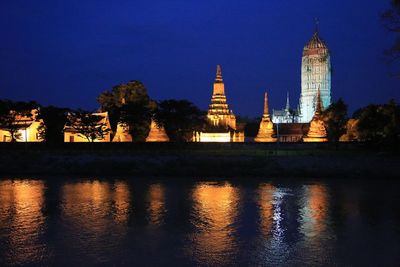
column 211, row 160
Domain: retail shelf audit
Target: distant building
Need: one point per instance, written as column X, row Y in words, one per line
column 291, row 132
column 315, row 73
column 71, row 135
column 221, row 121
column 286, row 115
column 29, row 128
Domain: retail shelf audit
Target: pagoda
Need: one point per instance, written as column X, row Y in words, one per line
column 157, row 133
column 266, row 131
column 221, row 125
column 218, row 112
column 317, row 131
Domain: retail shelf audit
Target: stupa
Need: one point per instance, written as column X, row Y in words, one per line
column 317, row 131
column 157, row 133
column 266, row 131
column 122, row 134
column 221, row 122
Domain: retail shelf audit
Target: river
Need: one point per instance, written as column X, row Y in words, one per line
column 207, row 222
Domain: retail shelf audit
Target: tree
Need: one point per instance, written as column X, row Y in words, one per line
column 89, row 125
column 55, row 119
column 391, row 20
column 11, row 112
column 335, row 118
column 130, row 104
column 379, row 123
column 180, row 119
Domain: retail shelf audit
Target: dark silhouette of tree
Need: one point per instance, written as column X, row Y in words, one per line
column 130, row 104
column 180, row 119
column 250, row 125
column 379, row 123
column 391, row 21
column 55, row 118
column 11, row 112
column 88, row 125
column 335, row 118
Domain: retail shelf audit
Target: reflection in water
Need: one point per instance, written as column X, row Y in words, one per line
column 21, row 221
column 266, row 196
column 156, row 204
column 314, row 210
column 93, row 222
column 97, row 211
column 215, row 210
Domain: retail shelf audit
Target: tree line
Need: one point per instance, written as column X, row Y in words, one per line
column 129, row 104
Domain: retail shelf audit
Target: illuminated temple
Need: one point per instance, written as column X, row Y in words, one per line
column 28, row 128
column 266, row 132
column 157, row 133
column 317, row 131
column 221, row 120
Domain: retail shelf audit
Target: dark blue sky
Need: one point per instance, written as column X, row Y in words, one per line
column 66, row 52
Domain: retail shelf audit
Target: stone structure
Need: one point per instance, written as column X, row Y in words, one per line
column 122, row 133
column 30, row 128
column 315, row 74
column 317, row 131
column 218, row 112
column 221, row 121
column 71, row 135
column 157, row 133
column 266, row 132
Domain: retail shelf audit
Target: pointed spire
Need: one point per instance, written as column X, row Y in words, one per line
column 218, row 77
column 316, row 26
column 266, row 113
column 287, row 102
column 318, row 107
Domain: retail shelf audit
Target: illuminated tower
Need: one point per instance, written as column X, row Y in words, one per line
column 317, row 130
column 315, row 73
column 218, row 113
column 266, row 131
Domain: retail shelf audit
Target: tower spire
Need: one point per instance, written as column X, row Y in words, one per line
column 316, row 25
column 287, row 102
column 266, row 113
column 218, row 77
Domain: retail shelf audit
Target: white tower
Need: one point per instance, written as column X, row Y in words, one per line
column 315, row 73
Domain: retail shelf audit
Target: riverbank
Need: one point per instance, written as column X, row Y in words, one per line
column 207, row 160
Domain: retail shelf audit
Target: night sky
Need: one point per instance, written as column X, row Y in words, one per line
column 66, row 52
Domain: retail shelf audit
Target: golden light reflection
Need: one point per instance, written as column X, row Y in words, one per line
column 121, row 198
column 314, row 211
column 215, row 210
column 156, row 201
column 94, row 208
column 266, row 197
column 22, row 220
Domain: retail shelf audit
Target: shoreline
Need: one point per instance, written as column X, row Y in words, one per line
column 205, row 160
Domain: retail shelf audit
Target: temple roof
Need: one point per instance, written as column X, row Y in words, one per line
column 218, row 76
column 315, row 42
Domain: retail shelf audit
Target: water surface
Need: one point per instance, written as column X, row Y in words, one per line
column 60, row 221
